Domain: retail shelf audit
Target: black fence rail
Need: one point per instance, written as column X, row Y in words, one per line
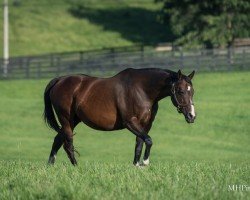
column 109, row 61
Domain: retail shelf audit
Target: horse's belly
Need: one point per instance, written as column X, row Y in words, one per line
column 99, row 117
column 97, row 106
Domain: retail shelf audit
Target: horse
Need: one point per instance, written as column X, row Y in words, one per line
column 128, row 100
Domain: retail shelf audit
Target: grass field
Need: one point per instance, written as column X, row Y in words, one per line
column 61, row 25
column 197, row 161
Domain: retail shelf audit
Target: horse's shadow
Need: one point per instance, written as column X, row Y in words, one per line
column 138, row 25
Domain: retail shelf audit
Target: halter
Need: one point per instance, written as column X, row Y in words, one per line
column 179, row 105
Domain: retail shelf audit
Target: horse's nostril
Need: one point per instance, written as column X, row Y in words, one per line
column 190, row 116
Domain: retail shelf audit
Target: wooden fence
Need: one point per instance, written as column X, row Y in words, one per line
column 107, row 62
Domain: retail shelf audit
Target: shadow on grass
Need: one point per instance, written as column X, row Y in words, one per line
column 135, row 24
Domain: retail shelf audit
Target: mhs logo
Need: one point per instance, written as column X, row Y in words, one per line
column 238, row 188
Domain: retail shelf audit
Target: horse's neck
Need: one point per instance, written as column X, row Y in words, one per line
column 158, row 85
column 165, row 91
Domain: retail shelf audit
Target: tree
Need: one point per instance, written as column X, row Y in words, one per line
column 213, row 23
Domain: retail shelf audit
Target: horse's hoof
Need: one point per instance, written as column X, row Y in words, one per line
column 145, row 162
column 52, row 160
column 50, row 164
column 137, row 164
column 140, row 165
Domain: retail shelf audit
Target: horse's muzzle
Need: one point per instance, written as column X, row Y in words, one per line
column 190, row 118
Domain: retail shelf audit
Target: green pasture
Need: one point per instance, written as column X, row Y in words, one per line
column 46, row 26
column 188, row 161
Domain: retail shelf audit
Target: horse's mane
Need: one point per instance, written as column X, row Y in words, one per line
column 173, row 74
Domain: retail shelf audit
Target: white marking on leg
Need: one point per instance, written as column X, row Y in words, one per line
column 146, row 162
column 137, row 164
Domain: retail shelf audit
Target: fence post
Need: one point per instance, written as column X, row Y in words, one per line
column 230, row 58
column 51, row 61
column 58, row 66
column 81, row 57
column 244, row 59
column 27, row 69
column 142, row 53
column 214, row 62
column 181, row 58
column 39, row 70
column 172, row 58
column 197, row 61
column 113, row 56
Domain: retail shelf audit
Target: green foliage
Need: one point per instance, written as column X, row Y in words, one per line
column 213, row 23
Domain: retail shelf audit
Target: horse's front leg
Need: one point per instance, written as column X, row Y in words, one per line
column 146, row 155
column 138, row 150
column 148, row 127
column 141, row 132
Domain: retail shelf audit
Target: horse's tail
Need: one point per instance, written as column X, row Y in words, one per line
column 48, row 114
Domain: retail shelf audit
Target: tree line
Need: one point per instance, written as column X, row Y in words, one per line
column 209, row 23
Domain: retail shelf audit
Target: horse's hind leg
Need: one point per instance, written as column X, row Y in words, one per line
column 67, row 132
column 58, row 141
column 68, row 145
column 65, row 136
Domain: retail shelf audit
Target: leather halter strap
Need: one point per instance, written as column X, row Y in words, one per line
column 179, row 105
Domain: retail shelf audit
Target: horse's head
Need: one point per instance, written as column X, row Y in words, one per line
column 182, row 96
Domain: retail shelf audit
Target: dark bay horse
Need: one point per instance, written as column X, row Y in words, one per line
column 126, row 100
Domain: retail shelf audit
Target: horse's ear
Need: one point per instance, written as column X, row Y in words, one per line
column 191, row 75
column 179, row 74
